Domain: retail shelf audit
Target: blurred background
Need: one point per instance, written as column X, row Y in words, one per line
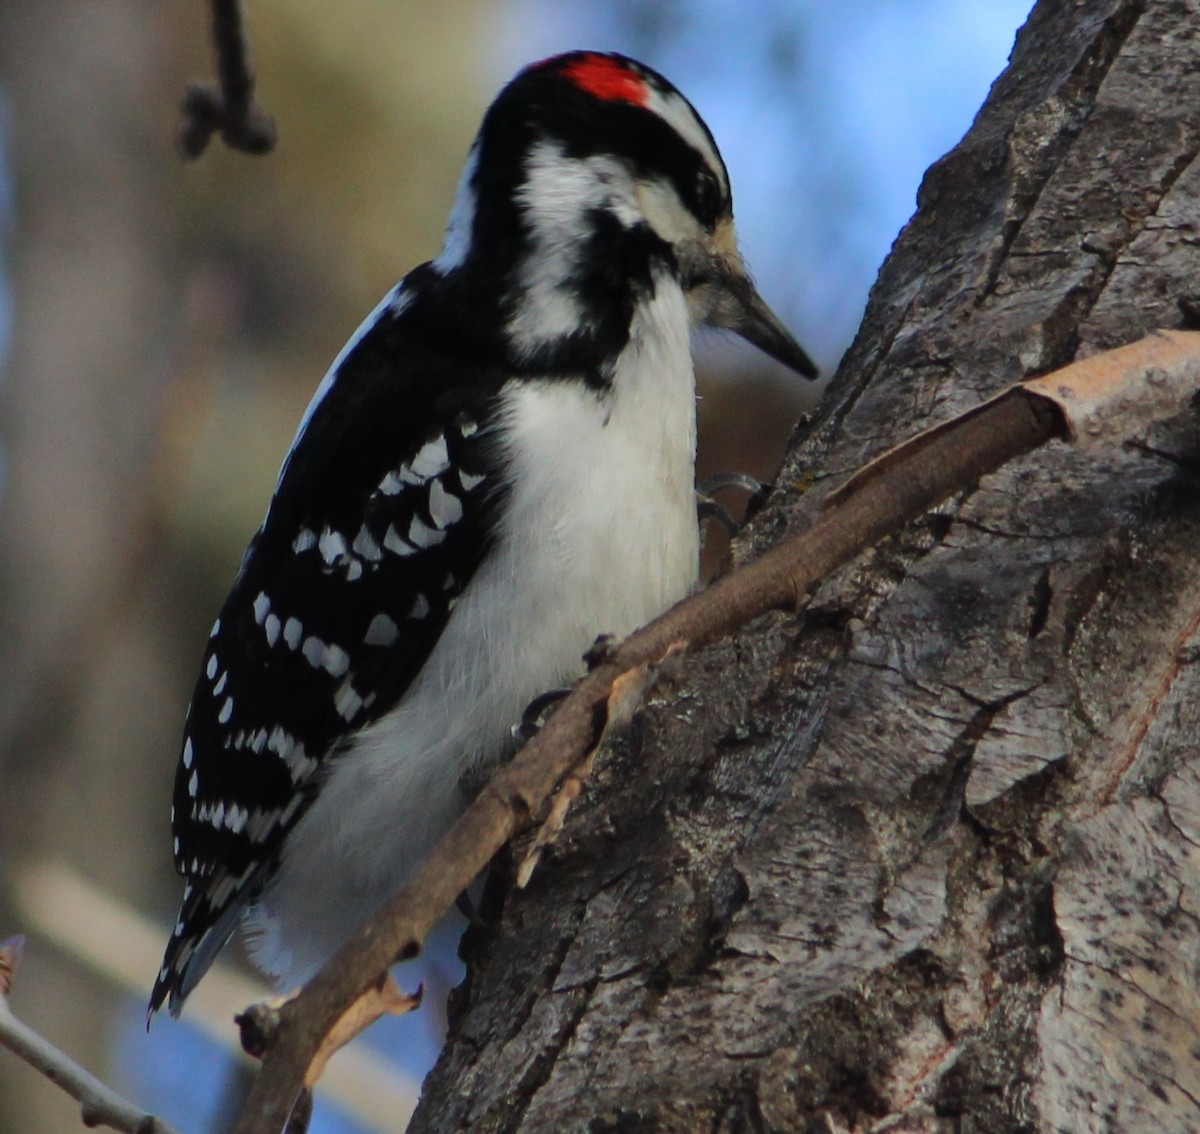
column 163, row 325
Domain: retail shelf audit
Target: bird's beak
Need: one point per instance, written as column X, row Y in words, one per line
column 730, row 300
column 758, row 324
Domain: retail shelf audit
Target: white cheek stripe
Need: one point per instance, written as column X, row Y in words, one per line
column 674, row 109
column 666, row 214
column 558, row 193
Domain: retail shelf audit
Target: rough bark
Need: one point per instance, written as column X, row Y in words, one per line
column 923, row 856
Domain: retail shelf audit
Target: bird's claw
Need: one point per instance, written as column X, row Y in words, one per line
column 707, row 508
column 534, row 716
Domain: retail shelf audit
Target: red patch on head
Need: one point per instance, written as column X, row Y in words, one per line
column 608, row 79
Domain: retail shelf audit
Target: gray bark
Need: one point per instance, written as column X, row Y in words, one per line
column 922, row 856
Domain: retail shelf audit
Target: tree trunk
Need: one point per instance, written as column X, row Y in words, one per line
column 922, row 856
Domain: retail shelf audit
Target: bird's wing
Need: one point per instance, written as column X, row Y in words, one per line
column 381, row 515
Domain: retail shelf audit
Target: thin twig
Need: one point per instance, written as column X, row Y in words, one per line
column 229, row 107
column 120, row 946
column 99, row 1105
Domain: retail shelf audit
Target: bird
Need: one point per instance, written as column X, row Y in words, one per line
column 497, row 468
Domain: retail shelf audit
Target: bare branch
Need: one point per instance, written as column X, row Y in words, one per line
column 385, row 998
column 898, row 488
column 624, row 700
column 99, row 1105
column 229, row 107
column 120, row 946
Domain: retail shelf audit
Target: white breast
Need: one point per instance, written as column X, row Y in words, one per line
column 599, row 535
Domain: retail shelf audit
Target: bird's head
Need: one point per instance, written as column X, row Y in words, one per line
column 591, row 174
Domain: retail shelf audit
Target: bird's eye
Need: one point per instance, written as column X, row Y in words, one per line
column 708, row 197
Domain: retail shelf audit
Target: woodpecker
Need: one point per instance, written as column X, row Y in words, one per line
column 497, row 468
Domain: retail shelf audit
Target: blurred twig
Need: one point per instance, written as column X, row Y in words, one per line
column 124, row 948
column 229, row 106
column 98, row 1105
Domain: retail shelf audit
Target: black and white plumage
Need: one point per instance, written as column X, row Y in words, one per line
column 497, row 469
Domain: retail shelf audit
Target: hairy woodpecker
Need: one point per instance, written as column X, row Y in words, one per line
column 497, row 468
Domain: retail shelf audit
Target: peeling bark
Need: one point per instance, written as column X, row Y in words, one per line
column 924, row 856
